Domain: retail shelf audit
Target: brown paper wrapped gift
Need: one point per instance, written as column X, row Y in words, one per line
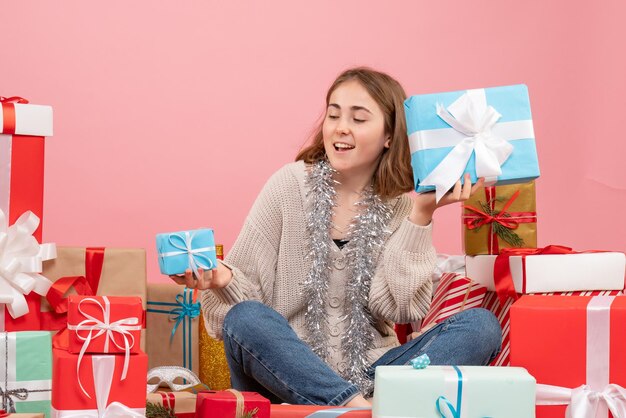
column 172, row 326
column 500, row 217
column 92, row 270
column 30, row 415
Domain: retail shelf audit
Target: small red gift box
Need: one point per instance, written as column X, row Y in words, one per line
column 104, row 324
column 313, row 411
column 570, row 342
column 231, row 403
column 93, row 384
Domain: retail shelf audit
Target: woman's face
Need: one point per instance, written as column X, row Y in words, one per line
column 354, row 130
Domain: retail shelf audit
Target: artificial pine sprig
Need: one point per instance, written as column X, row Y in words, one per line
column 506, row 234
column 250, row 414
column 154, row 410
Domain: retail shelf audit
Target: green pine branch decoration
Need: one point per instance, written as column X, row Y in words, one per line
column 251, row 414
column 154, row 410
column 506, row 234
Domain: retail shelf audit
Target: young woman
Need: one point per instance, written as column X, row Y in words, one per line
column 333, row 252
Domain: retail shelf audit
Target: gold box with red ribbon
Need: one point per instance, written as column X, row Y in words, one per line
column 23, row 128
column 500, row 217
column 576, row 349
column 104, row 324
column 183, row 404
column 91, row 271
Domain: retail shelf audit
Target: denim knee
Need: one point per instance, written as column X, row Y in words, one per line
column 486, row 325
column 246, row 315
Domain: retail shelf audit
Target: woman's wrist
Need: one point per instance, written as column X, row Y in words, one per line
column 421, row 217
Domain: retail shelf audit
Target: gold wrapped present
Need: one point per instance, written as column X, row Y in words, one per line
column 500, row 217
column 214, row 370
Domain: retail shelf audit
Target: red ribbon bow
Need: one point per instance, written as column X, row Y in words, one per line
column 504, row 218
column 8, row 112
column 502, row 276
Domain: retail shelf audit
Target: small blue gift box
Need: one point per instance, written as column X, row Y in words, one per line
column 484, row 132
column 179, row 251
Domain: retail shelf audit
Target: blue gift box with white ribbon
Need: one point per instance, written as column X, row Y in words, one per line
column 484, row 132
column 179, row 251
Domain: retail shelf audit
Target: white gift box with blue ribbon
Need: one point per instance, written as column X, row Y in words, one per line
column 453, row 392
column 179, row 251
column 484, row 132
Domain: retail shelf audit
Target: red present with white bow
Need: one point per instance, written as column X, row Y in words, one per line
column 97, row 387
column 104, row 324
column 577, row 345
column 454, row 294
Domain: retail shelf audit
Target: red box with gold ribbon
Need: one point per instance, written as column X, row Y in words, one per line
column 91, row 271
column 577, row 346
column 231, row 403
column 23, row 128
column 500, row 217
column 104, row 324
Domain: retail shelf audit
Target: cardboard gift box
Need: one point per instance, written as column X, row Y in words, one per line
column 92, row 385
column 179, row 251
column 571, row 342
column 23, row 128
column 317, row 411
column 91, row 271
column 182, row 403
column 34, row 415
column 231, row 403
column 104, row 324
column 484, row 132
column 454, row 294
column 500, row 217
column 172, row 326
column 459, row 391
column 546, row 270
column 26, row 370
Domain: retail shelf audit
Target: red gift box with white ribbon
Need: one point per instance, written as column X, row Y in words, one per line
column 576, row 349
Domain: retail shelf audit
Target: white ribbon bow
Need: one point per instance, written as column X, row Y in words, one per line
column 97, row 327
column 583, row 402
column 470, row 116
column 186, row 248
column 21, row 258
column 103, row 368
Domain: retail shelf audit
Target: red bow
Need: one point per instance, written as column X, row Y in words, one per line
column 8, row 113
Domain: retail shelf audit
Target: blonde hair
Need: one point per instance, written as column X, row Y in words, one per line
column 393, row 176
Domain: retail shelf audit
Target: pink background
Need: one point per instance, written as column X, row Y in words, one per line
column 172, row 115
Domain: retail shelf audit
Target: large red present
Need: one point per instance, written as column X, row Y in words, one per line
column 22, row 130
column 454, row 294
column 231, row 403
column 568, row 343
column 104, row 324
column 315, row 411
column 98, row 384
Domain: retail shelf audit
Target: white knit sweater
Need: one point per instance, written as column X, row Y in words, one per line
column 269, row 264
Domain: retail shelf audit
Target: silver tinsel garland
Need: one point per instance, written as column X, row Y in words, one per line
column 366, row 236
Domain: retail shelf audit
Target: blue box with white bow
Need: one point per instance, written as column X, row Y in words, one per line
column 484, row 132
column 179, row 251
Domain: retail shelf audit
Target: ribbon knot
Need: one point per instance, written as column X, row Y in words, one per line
column 21, row 258
column 185, row 309
column 471, row 116
column 583, row 401
column 96, row 327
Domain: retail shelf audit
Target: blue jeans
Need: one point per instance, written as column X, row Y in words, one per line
column 265, row 355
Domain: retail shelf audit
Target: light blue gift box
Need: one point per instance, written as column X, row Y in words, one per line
column 179, row 251
column 26, row 370
column 431, row 138
column 453, row 391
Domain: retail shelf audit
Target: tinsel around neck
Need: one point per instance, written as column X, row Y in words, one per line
column 366, row 236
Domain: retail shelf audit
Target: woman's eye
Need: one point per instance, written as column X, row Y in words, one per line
column 359, row 120
column 333, row 117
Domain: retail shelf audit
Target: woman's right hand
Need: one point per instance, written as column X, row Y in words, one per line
column 210, row 279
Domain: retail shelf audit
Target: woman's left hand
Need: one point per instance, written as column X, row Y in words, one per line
column 424, row 204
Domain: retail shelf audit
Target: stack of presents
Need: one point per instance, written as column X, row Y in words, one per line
column 85, row 335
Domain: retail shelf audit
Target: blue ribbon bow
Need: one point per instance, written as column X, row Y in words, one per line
column 184, row 310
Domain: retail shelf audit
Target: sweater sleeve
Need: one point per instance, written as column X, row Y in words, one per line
column 401, row 289
column 252, row 258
